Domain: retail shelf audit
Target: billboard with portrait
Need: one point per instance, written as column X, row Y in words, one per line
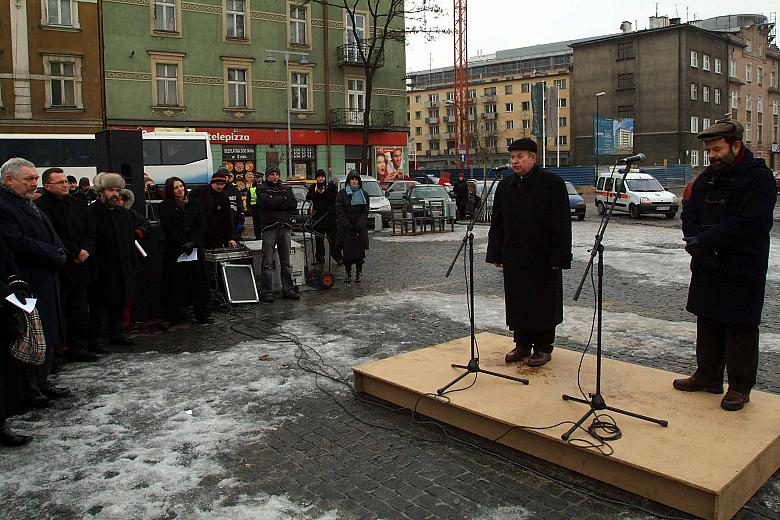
column 389, row 164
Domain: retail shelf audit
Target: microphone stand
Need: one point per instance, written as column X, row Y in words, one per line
column 597, row 401
column 473, row 365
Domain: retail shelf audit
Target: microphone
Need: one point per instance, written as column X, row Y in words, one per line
column 504, row 167
column 632, row 159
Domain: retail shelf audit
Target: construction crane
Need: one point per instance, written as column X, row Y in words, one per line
column 461, row 83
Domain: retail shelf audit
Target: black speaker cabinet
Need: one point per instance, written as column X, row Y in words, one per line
column 122, row 152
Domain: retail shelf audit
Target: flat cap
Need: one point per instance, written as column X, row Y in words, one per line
column 523, row 144
column 727, row 128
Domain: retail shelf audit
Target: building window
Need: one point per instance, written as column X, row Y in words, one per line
column 417, row 114
column 772, row 79
column 491, row 126
column 705, row 123
column 759, row 131
column 760, row 104
column 562, row 122
column 749, row 46
column 418, row 130
column 749, row 72
column 507, row 89
column 418, row 99
column 705, row 94
column 491, row 142
column 490, row 108
column 433, row 130
column 775, row 107
column 299, row 90
column 526, row 123
column 694, row 91
column 238, row 83
column 60, row 12
column 748, row 102
column 705, row 159
column 509, row 142
column 625, row 81
column 167, row 84
column 716, row 95
column 433, row 98
column 694, row 157
column 298, row 25
column 510, row 124
column 759, row 76
column 235, row 18
column 747, row 132
column 625, row 50
column 63, row 81
column 562, row 140
column 472, row 93
column 450, row 96
column 718, row 66
column 473, row 128
column 510, row 107
column 560, row 84
column 165, row 15
column 356, row 98
column 694, row 125
column 435, row 145
column 418, row 147
column 705, row 62
column 525, row 88
column 525, row 106
column 625, row 111
column 734, row 99
column 694, row 59
column 562, row 102
column 490, row 91
column 733, row 67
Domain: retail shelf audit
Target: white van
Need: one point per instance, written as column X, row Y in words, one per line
column 642, row 195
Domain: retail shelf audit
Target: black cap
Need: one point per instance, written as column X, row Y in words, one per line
column 272, row 168
column 523, row 144
column 71, row 178
column 320, row 173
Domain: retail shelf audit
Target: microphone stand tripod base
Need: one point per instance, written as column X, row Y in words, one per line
column 473, row 368
column 597, row 403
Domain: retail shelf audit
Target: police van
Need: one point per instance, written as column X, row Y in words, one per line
column 641, row 195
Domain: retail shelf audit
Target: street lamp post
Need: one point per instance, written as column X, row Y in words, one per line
column 598, row 134
column 269, row 58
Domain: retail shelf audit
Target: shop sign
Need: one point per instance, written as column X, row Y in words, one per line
column 238, row 153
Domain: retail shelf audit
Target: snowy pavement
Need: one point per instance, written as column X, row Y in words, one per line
column 221, row 421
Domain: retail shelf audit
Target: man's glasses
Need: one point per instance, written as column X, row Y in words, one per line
column 59, row 183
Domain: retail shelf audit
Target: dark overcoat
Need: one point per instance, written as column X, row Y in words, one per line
column 220, row 228
column 73, row 223
column 276, row 202
column 30, row 236
column 181, row 279
column 731, row 214
column 323, row 206
column 530, row 234
column 351, row 226
column 115, row 258
column 11, row 390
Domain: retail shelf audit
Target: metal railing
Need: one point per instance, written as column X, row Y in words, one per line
column 349, row 54
column 353, row 118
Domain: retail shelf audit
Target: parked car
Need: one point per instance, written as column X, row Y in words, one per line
column 482, row 188
column 642, row 195
column 420, row 195
column 378, row 203
column 396, row 191
column 576, row 202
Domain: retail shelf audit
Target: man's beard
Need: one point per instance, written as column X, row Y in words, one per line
column 111, row 201
column 720, row 165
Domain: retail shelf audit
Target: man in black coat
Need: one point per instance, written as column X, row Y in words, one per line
column 323, row 201
column 220, row 228
column 39, row 255
column 530, row 237
column 461, row 190
column 276, row 203
column 114, row 261
column 75, row 227
column 726, row 227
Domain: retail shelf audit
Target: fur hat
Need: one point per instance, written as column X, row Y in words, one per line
column 106, row 181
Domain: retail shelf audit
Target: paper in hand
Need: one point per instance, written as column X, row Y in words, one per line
column 28, row 306
column 184, row 257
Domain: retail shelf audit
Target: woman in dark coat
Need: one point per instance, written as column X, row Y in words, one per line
column 184, row 225
column 352, row 228
column 461, row 195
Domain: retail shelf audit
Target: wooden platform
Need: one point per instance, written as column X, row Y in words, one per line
column 708, row 462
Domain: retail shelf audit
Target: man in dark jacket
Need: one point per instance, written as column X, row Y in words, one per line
column 461, row 190
column 85, row 192
column 114, row 260
column 75, row 227
column 530, row 237
column 726, row 227
column 39, row 255
column 220, row 229
column 276, row 203
column 323, row 201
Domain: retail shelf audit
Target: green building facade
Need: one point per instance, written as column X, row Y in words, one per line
column 239, row 69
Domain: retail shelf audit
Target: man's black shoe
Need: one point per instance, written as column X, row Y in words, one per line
column 734, row 400
column 292, row 295
column 9, row 438
column 517, row 354
column 55, row 392
column 691, row 384
column 122, row 339
column 268, row 298
column 37, row 401
column 83, row 357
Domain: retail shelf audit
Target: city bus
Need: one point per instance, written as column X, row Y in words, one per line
column 182, row 154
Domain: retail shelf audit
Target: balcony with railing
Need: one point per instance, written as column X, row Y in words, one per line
column 488, row 99
column 489, row 115
column 432, row 120
column 449, row 119
column 349, row 54
column 432, row 104
column 353, row 118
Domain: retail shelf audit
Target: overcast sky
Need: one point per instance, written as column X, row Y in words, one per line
column 507, row 24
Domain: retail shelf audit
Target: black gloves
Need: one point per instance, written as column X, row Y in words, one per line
column 62, row 258
column 707, row 259
column 20, row 289
column 188, row 247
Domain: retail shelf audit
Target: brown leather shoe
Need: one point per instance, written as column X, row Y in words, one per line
column 517, row 354
column 538, row 359
column 691, row 384
column 734, row 400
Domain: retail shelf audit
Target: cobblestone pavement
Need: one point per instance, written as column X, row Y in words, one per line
column 223, row 420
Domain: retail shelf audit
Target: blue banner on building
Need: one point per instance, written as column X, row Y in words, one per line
column 613, row 136
column 537, row 105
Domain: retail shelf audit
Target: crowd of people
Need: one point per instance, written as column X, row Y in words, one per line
column 76, row 248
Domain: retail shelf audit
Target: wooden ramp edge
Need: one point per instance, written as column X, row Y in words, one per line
column 702, row 463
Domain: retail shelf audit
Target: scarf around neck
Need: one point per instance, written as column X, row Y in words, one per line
column 357, row 195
